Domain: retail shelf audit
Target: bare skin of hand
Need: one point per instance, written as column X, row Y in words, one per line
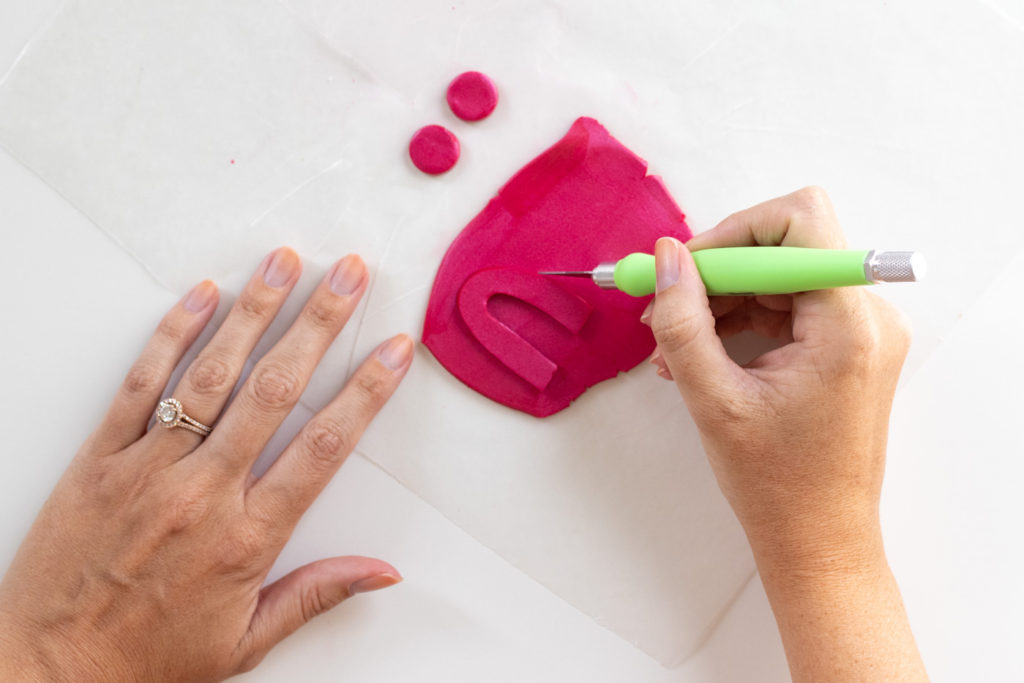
column 148, row 560
column 797, row 437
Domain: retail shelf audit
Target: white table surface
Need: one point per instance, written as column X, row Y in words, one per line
column 76, row 309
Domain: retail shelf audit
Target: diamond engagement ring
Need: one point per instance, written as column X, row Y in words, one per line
column 170, row 414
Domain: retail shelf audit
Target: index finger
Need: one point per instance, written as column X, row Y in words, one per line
column 804, row 218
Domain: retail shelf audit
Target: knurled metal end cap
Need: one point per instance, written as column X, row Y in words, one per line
column 895, row 266
column 604, row 276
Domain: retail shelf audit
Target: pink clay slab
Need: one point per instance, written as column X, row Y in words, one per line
column 535, row 343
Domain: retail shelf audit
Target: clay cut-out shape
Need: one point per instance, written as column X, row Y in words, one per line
column 584, row 201
column 434, row 149
column 472, row 96
column 507, row 346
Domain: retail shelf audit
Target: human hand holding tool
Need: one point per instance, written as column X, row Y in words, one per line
column 797, row 437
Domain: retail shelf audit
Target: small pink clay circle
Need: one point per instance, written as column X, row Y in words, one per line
column 434, row 149
column 472, row 96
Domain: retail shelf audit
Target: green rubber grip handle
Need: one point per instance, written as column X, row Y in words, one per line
column 754, row 270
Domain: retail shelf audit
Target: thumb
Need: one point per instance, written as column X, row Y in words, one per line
column 307, row 592
column 684, row 328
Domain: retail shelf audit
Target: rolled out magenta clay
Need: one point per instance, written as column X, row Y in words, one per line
column 535, row 343
column 472, row 96
column 434, row 149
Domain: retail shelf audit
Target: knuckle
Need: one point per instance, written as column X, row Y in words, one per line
column 865, row 339
column 813, row 220
column 171, row 330
column 676, row 333
column 868, row 338
column 108, row 485
column 275, row 386
column 241, row 550
column 371, row 388
column 321, row 314
column 897, row 326
column 265, row 514
column 813, row 200
column 860, row 357
column 326, row 440
column 314, row 603
column 186, row 509
column 734, row 218
column 254, row 307
column 210, row 375
column 143, row 378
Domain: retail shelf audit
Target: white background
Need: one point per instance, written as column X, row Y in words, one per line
column 76, row 309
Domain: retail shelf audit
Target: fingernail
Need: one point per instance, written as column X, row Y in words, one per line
column 373, row 583
column 396, row 353
column 645, row 317
column 200, row 296
column 665, row 374
column 281, row 268
column 347, row 275
column 666, row 253
column 656, row 357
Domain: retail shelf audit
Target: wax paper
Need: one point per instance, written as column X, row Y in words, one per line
column 200, row 135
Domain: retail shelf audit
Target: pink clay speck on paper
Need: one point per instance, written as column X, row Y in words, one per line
column 434, row 149
column 536, row 343
column 472, row 96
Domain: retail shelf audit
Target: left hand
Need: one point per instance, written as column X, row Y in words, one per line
column 148, row 560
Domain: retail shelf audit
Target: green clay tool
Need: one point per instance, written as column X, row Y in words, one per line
column 765, row 270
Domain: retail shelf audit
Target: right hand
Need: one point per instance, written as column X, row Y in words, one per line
column 796, row 437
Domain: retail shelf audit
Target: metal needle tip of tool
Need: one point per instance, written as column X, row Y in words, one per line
column 603, row 276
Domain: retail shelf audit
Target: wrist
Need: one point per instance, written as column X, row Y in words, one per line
column 838, row 608
column 30, row 654
column 19, row 660
column 796, row 554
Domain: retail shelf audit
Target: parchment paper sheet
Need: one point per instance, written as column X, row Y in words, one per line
column 200, row 135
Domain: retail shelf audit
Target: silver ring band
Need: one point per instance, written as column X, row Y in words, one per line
column 171, row 414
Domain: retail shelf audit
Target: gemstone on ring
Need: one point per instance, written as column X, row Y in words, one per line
column 168, row 412
column 171, row 414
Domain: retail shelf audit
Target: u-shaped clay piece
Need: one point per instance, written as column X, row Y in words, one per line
column 504, row 343
column 584, row 201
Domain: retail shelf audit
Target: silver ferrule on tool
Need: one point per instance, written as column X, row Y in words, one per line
column 894, row 266
column 604, row 276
